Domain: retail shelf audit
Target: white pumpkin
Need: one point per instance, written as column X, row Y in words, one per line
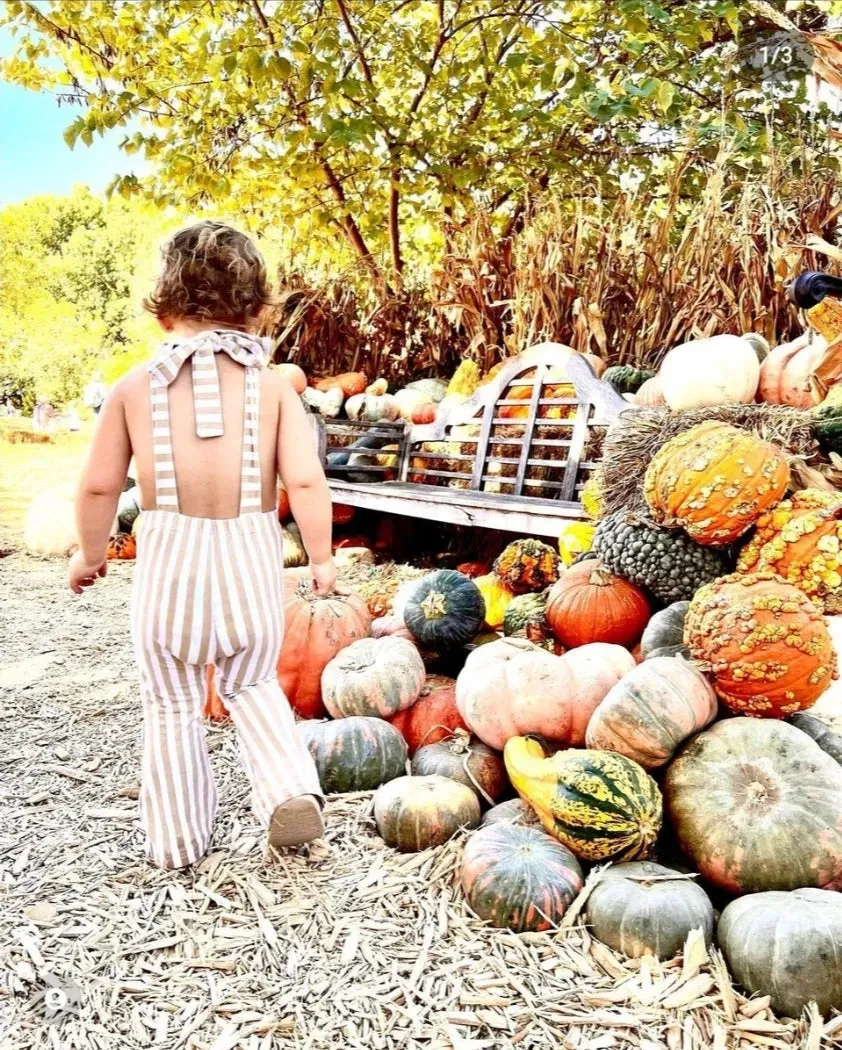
column 433, row 389
column 380, row 407
column 721, row 370
column 327, row 403
column 50, row 526
column 409, row 399
column 354, row 406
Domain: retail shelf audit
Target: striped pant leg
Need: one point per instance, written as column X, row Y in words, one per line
column 276, row 761
column 178, row 798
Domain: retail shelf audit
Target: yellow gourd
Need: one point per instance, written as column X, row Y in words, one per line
column 465, row 379
column 574, row 540
column 496, row 596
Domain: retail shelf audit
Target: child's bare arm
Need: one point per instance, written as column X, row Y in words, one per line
column 305, row 482
column 100, row 485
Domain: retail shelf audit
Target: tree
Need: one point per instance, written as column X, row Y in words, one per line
column 383, row 119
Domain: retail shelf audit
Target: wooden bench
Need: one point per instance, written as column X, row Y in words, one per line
column 514, row 457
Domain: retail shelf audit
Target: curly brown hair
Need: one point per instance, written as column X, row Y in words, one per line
column 211, row 272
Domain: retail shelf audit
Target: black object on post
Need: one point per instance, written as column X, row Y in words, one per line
column 808, row 289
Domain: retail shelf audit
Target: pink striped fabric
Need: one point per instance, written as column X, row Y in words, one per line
column 210, row 591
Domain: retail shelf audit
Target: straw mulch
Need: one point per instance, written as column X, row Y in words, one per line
column 345, row 945
column 637, row 435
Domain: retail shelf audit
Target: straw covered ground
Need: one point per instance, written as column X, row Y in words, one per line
column 344, row 945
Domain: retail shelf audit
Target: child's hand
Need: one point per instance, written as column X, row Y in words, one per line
column 84, row 574
column 324, row 576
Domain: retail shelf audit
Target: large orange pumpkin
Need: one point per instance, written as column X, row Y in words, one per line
column 801, row 541
column 591, row 604
column 766, row 644
column 715, row 481
column 316, row 629
column 433, row 717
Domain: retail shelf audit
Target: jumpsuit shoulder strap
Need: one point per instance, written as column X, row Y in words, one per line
column 251, row 494
column 166, row 494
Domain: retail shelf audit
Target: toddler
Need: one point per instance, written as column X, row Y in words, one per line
column 210, row 430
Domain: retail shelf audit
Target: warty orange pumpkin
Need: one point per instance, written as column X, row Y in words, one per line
column 715, row 481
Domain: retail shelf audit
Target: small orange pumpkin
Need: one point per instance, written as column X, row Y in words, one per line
column 425, row 413
column 349, row 383
column 122, row 547
column 591, row 604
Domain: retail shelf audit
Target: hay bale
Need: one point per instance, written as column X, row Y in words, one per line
column 637, row 435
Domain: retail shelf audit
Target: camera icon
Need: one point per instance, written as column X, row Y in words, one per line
column 59, row 999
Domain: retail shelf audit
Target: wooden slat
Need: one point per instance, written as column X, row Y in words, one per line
column 540, row 372
column 577, row 448
column 482, row 444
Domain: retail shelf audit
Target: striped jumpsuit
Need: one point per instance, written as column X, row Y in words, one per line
column 210, row 591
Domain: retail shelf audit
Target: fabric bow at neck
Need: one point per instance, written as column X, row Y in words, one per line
column 247, row 350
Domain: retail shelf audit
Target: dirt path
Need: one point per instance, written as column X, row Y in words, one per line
column 345, row 945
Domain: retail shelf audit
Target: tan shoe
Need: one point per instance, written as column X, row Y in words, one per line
column 296, row 821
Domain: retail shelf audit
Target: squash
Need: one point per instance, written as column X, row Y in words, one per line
column 410, row 401
column 652, row 711
column 375, row 677
column 627, row 379
column 513, row 811
column 377, row 388
column 354, row 754
column 786, row 946
column 665, row 631
column 444, row 610
column 517, row 878
column 433, row 389
column 465, row 379
column 295, row 556
column 641, row 908
column 50, row 526
column 526, row 612
column 575, row 539
column 757, row 806
column 820, row 731
column 721, row 370
column 327, row 403
column 496, row 596
column 651, row 394
column 349, row 383
column 591, row 496
column 464, row 758
column 415, row 813
column 715, row 481
column 591, row 604
column 801, row 540
column 424, row 414
column 785, row 375
column 316, row 629
column 390, row 626
column 511, row 687
column 122, row 547
column 827, row 420
column 598, row 804
column 294, row 375
column 766, row 644
column 528, row 565
column 354, row 406
column 433, row 717
column 380, row 408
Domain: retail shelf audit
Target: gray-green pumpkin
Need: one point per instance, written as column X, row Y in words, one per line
column 787, row 945
column 642, row 907
column 664, row 633
column 354, row 754
column 627, row 379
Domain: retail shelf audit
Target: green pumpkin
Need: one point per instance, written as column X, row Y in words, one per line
column 819, row 731
column 627, row 379
column 526, row 610
column 827, row 426
column 445, row 610
column 664, row 633
column 354, row 754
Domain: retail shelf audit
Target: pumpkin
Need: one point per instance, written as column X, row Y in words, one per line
column 464, row 758
column 665, row 631
column 354, row 754
column 650, row 394
column 801, row 540
column 342, row 514
column 785, row 375
column 715, row 481
column 511, row 687
column 827, row 421
column 433, row 717
column 496, row 596
column 525, row 612
column 122, row 547
column 720, row 370
column 786, row 946
column 820, row 732
column 415, row 813
column 472, row 569
column 512, row 811
column 294, row 375
column 627, row 379
column 650, row 712
column 375, row 677
column 591, row 604
column 575, row 539
column 432, row 389
column 327, row 403
column 284, row 509
column 354, row 406
column 424, row 414
column 350, row 383
column 380, row 407
column 377, row 388
column 528, row 565
column 598, row 804
column 50, row 526
column 517, row 878
column 295, row 555
column 757, row 806
column 316, row 629
column 641, row 908
column 766, row 644
column 390, row 626
column 444, row 610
